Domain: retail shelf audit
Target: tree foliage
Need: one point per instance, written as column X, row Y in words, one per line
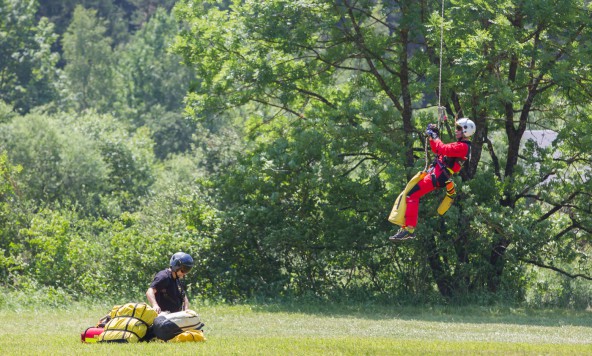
column 522, row 70
column 338, row 89
column 271, row 141
column 154, row 85
column 27, row 64
column 89, row 72
column 125, row 17
column 92, row 161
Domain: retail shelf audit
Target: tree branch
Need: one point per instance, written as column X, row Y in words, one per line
column 299, row 115
column 317, row 96
column 528, row 188
column 556, row 269
column 496, row 165
column 556, row 206
column 367, row 157
column 359, row 40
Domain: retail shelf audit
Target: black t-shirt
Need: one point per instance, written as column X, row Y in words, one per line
column 169, row 291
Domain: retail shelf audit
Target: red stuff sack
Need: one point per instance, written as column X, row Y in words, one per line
column 91, row 335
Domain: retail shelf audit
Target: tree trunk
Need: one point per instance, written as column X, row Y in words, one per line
column 496, row 260
column 439, row 272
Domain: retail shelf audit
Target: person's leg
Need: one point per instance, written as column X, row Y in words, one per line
column 423, row 187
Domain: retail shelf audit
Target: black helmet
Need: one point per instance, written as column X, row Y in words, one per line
column 181, row 261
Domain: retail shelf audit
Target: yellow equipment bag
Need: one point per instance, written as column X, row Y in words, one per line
column 445, row 205
column 189, row 336
column 129, row 323
column 397, row 215
column 448, row 199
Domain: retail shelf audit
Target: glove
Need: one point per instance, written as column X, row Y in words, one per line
column 432, row 131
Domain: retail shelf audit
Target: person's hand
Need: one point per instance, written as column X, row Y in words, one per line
column 432, row 131
column 157, row 309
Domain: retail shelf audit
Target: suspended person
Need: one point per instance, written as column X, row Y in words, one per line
column 166, row 292
column 449, row 160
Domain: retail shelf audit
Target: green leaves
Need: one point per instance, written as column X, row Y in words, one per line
column 27, row 68
column 89, row 72
column 85, row 160
column 302, row 122
column 334, row 92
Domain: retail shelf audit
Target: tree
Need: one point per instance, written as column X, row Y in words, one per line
column 61, row 13
column 154, row 76
column 329, row 88
column 27, row 64
column 155, row 85
column 524, row 63
column 58, row 165
column 144, row 10
column 90, row 80
column 91, row 162
column 334, row 91
column 125, row 17
column 10, row 216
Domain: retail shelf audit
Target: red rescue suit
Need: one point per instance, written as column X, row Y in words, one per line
column 448, row 162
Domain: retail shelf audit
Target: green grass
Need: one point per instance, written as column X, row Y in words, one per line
column 319, row 330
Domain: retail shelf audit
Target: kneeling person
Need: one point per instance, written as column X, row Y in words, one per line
column 166, row 292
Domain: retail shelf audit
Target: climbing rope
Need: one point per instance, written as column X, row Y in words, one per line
column 441, row 50
column 427, row 154
column 441, row 110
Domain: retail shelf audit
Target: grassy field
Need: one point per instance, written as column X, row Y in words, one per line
column 318, row 330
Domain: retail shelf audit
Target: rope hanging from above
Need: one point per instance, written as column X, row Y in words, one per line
column 441, row 110
column 440, row 54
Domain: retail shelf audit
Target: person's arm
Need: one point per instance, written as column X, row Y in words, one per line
column 185, row 303
column 151, row 296
column 455, row 149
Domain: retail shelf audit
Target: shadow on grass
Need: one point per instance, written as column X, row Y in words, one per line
column 447, row 314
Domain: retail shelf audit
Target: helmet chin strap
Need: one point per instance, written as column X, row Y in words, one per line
column 174, row 273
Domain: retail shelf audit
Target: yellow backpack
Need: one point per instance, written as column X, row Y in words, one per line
column 189, row 336
column 397, row 215
column 129, row 323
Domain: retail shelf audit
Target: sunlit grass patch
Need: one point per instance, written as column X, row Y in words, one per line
column 314, row 330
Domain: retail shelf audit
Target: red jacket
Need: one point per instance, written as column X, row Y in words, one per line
column 449, row 154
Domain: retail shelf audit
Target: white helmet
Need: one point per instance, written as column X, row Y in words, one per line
column 467, row 126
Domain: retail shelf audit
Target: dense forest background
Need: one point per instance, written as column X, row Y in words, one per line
column 269, row 139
